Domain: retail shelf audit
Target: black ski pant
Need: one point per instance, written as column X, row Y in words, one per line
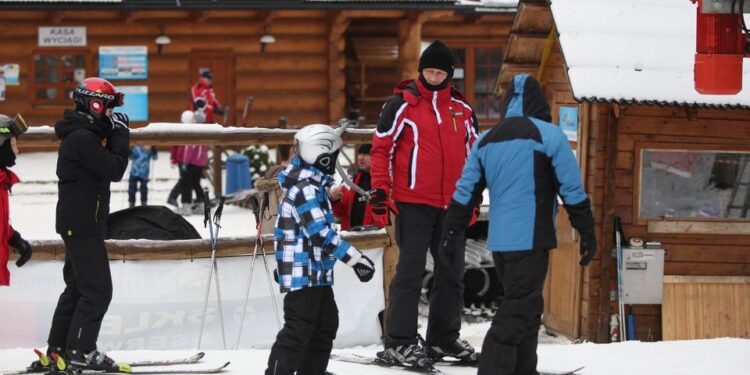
column 191, row 181
column 177, row 188
column 138, row 184
column 88, row 291
column 419, row 227
column 511, row 342
column 304, row 344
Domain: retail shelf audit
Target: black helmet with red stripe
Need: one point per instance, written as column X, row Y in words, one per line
column 94, row 95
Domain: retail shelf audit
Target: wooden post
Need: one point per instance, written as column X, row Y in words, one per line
column 216, row 165
column 409, row 44
column 608, row 230
column 336, row 65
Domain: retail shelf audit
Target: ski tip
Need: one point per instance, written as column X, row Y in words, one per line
column 197, row 357
column 38, row 352
column 225, row 365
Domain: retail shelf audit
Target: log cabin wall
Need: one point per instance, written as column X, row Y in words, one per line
column 289, row 79
column 299, row 77
column 714, row 252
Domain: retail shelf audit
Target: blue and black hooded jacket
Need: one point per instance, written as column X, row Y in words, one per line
column 525, row 162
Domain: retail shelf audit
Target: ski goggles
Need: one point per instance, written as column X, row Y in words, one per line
column 12, row 126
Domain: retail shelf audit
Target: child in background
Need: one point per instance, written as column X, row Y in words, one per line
column 140, row 171
column 10, row 129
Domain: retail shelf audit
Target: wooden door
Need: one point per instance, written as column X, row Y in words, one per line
column 221, row 63
column 562, row 290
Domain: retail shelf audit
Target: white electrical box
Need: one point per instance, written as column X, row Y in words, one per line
column 642, row 275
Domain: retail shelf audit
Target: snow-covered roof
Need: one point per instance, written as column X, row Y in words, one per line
column 634, row 51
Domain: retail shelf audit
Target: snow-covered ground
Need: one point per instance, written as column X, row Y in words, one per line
column 32, row 212
column 700, row 357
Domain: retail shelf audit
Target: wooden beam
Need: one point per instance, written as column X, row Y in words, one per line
column 191, row 249
column 45, row 138
column 130, row 16
column 374, row 13
column 699, row 227
column 336, row 65
column 608, row 230
column 198, row 16
column 55, row 17
column 410, row 42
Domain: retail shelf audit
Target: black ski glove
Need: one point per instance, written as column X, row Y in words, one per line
column 379, row 203
column 364, row 269
column 219, row 110
column 588, row 249
column 22, row 246
column 120, row 119
column 448, row 245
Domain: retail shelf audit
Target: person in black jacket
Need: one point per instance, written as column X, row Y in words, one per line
column 86, row 165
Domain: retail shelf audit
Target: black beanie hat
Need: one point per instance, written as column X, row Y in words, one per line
column 437, row 56
column 364, row 149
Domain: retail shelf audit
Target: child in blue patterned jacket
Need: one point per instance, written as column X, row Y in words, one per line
column 307, row 247
column 140, row 171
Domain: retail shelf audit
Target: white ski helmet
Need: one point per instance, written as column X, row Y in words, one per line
column 187, row 117
column 318, row 145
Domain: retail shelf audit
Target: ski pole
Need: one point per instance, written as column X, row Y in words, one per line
column 212, row 267
column 217, row 226
column 271, row 290
column 258, row 239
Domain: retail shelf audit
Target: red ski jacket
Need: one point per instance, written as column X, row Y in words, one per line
column 343, row 207
column 203, row 91
column 421, row 144
column 7, row 179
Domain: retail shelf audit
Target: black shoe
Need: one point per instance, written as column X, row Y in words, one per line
column 411, row 355
column 92, row 361
column 173, row 203
column 460, row 350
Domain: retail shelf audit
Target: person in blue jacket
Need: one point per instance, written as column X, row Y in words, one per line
column 140, row 171
column 526, row 163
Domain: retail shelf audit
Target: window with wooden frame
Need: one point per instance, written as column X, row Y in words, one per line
column 698, row 182
column 55, row 72
column 477, row 67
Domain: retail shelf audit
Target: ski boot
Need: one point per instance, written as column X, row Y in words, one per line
column 45, row 362
column 411, row 355
column 77, row 361
column 459, row 349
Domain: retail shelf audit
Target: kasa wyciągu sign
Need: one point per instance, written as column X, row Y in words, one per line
column 62, row 36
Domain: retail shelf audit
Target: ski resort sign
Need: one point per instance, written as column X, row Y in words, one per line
column 62, row 36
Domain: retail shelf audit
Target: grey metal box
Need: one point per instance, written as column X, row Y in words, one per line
column 642, row 276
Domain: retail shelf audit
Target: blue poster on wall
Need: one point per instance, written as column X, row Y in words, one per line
column 569, row 122
column 136, row 102
column 123, row 62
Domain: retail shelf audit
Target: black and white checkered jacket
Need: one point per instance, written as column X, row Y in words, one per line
column 307, row 245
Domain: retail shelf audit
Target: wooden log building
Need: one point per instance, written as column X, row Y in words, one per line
column 671, row 163
column 329, row 57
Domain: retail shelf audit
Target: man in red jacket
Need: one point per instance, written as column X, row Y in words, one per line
column 423, row 137
column 204, row 96
column 347, row 204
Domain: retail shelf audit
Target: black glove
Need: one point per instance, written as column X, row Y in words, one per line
column 364, row 269
column 379, row 203
column 219, row 110
column 22, row 246
column 120, row 120
column 448, row 245
column 588, row 249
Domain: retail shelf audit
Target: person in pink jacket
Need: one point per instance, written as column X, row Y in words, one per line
column 192, row 160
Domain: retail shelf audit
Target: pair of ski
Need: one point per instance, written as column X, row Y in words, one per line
column 374, row 361
column 127, row 368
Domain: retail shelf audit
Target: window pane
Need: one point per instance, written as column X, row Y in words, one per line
column 486, row 69
column 45, row 69
column 46, row 94
column 459, row 74
column 694, row 184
